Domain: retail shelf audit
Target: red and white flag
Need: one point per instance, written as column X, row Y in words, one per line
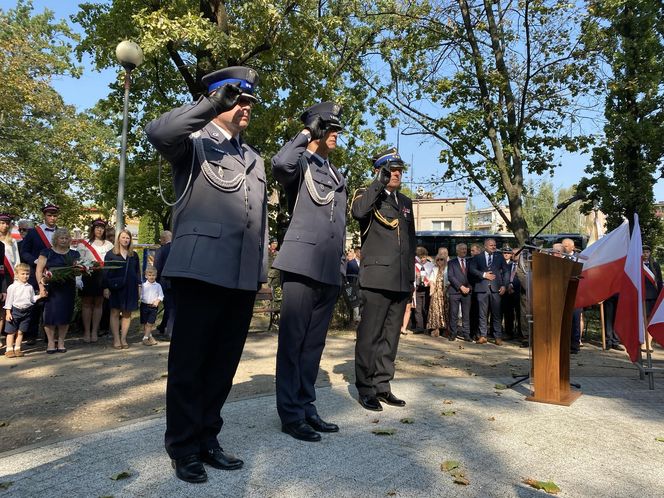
column 604, row 267
column 656, row 324
column 629, row 324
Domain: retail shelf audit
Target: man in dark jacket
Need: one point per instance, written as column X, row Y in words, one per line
column 221, row 216
column 386, row 278
column 459, row 294
column 312, row 264
column 489, row 274
column 161, row 256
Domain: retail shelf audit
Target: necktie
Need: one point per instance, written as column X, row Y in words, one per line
column 490, row 260
column 513, row 272
column 462, row 261
column 237, row 146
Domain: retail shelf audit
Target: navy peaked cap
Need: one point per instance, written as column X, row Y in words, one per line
column 245, row 77
column 51, row 208
column 328, row 111
column 390, row 156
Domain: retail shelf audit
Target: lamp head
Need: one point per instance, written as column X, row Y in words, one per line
column 129, row 54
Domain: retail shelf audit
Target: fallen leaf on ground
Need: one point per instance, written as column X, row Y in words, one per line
column 391, row 493
column 3, row 423
column 159, row 409
column 660, row 439
column 125, row 474
column 375, row 421
column 548, row 486
column 430, row 363
column 438, row 384
column 447, row 401
column 406, row 420
column 448, row 413
column 491, row 419
column 449, row 465
column 6, row 484
column 500, row 386
column 460, row 479
column 163, row 376
column 384, row 432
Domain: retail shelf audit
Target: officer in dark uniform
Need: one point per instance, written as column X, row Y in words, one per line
column 35, row 241
column 386, row 278
column 312, row 263
column 216, row 263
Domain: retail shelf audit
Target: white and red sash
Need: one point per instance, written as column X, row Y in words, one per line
column 9, row 268
column 43, row 236
column 93, row 251
column 649, row 275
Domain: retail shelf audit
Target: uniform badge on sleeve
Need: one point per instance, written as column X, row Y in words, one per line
column 405, row 212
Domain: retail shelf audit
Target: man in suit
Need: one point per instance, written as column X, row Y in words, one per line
column 312, row 263
column 34, row 242
column 653, row 274
column 569, row 252
column 221, row 216
column 161, row 256
column 510, row 303
column 386, row 278
column 459, row 294
column 489, row 274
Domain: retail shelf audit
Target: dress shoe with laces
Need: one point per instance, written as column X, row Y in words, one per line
column 481, row 340
column 390, row 399
column 219, row 459
column 371, row 403
column 319, row 425
column 301, row 430
column 189, row 469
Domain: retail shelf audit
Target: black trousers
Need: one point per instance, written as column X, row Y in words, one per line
column 168, row 318
column 306, row 311
column 211, row 324
column 421, row 309
column 455, row 301
column 512, row 313
column 490, row 301
column 378, row 339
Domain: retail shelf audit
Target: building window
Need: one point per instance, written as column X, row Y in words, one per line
column 441, row 225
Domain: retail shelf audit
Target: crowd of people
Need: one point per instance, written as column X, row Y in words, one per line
column 44, row 269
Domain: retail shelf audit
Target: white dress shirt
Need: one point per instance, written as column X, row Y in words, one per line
column 151, row 291
column 20, row 295
column 48, row 231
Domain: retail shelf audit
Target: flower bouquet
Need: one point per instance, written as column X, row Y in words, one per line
column 76, row 268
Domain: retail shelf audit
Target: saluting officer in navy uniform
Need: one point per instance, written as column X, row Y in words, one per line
column 312, row 263
column 386, row 278
column 216, row 263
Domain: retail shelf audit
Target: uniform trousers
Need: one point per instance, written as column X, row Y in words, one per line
column 377, row 339
column 455, row 301
column 210, row 329
column 490, row 301
column 512, row 313
column 306, row 311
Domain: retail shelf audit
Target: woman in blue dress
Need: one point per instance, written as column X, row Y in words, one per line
column 122, row 287
column 59, row 306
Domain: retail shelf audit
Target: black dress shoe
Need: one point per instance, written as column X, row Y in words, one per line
column 189, row 469
column 301, row 430
column 618, row 347
column 218, row 459
column 390, row 399
column 371, row 403
column 319, row 425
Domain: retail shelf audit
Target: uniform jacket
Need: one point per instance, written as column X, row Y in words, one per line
column 652, row 291
column 457, row 277
column 387, row 253
column 31, row 247
column 160, row 258
column 514, row 282
column 478, row 266
column 314, row 242
column 217, row 236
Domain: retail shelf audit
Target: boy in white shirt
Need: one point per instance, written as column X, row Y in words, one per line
column 151, row 295
column 18, row 309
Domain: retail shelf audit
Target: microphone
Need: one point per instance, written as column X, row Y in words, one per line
column 579, row 196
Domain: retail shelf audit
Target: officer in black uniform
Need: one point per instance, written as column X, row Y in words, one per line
column 216, row 263
column 386, row 278
column 312, row 263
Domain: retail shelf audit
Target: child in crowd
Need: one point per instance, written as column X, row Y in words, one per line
column 18, row 305
column 151, row 296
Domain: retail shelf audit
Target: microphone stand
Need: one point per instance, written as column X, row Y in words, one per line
column 529, row 247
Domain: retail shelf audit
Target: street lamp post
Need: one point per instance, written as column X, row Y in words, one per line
column 130, row 56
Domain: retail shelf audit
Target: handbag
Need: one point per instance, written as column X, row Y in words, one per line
column 117, row 284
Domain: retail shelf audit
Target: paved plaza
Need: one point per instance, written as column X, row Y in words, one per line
column 603, row 445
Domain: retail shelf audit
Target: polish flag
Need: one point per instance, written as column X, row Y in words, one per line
column 629, row 325
column 604, row 267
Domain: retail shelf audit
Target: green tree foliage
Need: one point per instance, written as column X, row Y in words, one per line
column 539, row 206
column 44, row 156
column 630, row 36
column 495, row 82
column 304, row 51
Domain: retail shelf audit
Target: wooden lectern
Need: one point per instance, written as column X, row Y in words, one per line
column 553, row 291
